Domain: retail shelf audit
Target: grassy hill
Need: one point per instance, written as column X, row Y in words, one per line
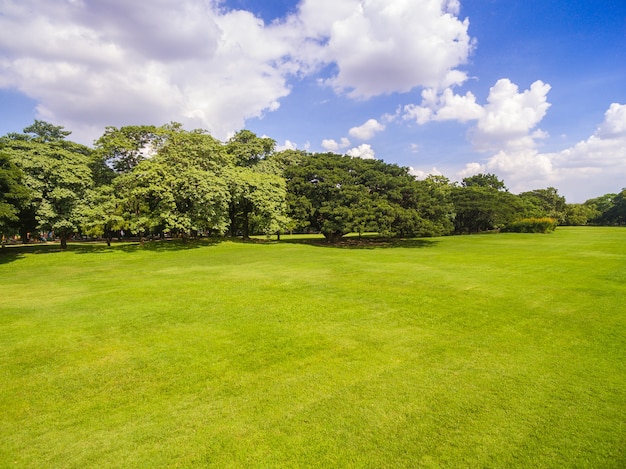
column 501, row 350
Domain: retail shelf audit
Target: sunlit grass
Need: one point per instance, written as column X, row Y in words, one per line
column 476, row 351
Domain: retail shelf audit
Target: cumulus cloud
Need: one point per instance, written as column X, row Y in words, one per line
column 506, row 121
column 333, row 145
column 444, row 106
column 381, row 47
column 509, row 116
column 93, row 63
column 593, row 166
column 367, row 130
column 419, row 174
column 364, row 151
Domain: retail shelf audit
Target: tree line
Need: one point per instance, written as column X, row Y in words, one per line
column 148, row 180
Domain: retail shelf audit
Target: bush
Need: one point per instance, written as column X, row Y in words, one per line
column 532, row 225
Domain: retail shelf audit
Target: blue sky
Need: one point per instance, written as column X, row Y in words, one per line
column 532, row 91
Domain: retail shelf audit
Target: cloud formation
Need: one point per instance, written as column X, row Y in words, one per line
column 367, row 130
column 598, row 163
column 364, row 151
column 92, row 63
column 332, row 145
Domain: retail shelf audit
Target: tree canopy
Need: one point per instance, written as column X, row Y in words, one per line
column 157, row 180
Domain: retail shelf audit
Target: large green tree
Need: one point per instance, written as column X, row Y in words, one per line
column 181, row 189
column 482, row 203
column 336, row 195
column 57, row 173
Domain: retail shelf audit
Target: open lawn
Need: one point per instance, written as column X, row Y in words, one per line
column 496, row 351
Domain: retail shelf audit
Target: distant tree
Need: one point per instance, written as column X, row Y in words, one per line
column 181, row 189
column 484, row 180
column 45, row 132
column 616, row 215
column 579, row 214
column 336, row 195
column 100, row 213
column 482, row 203
column 546, row 203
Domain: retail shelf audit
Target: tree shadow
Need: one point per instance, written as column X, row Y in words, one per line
column 15, row 252
column 366, row 243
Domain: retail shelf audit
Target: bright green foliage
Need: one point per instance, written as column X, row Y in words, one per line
column 45, row 132
column 257, row 201
column 546, row 203
column 57, row 173
column 336, row 195
column 181, row 189
column 532, row 225
column 101, row 213
column 247, row 149
column 124, row 148
column 579, row 214
column 13, row 195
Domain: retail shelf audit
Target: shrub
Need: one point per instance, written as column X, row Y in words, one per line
column 532, row 225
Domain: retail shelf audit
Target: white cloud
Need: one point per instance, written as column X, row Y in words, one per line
column 364, row 151
column 471, row 169
column 419, row 174
column 509, row 116
column 288, row 145
column 446, row 106
column 91, row 63
column 333, row 145
column 382, row 46
column 367, row 130
column 506, row 121
column 592, row 167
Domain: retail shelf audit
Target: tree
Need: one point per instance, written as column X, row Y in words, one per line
column 616, row 215
column 482, row 203
column 124, row 148
column 336, row 195
column 257, row 202
column 101, row 213
column 579, row 214
column 14, row 195
column 546, row 203
column 484, row 180
column 57, row 176
column 181, row 189
column 257, row 188
column 247, row 149
column 45, row 132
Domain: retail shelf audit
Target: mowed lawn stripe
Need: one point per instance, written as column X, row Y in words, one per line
column 475, row 351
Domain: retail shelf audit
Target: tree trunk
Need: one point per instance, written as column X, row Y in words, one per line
column 24, row 236
column 333, row 237
column 63, row 238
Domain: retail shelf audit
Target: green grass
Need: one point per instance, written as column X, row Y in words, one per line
column 476, row 351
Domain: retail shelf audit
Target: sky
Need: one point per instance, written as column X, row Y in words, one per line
column 533, row 91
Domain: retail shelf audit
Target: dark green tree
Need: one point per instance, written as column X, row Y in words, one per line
column 336, row 195
column 14, row 196
column 482, row 203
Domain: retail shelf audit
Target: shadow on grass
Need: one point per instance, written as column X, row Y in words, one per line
column 366, row 243
column 15, row 252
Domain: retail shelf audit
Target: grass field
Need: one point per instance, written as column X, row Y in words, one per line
column 495, row 351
